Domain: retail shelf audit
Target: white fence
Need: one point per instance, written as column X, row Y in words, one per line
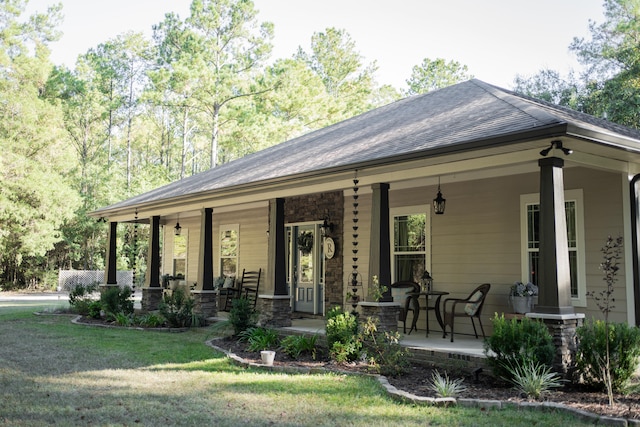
column 69, row 279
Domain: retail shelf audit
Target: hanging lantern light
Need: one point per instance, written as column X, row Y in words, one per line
column 177, row 228
column 439, row 202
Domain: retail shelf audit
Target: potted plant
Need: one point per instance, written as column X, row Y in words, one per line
column 521, row 296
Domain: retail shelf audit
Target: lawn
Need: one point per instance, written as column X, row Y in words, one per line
column 53, row 372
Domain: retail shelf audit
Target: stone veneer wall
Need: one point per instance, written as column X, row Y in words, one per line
column 275, row 311
column 387, row 314
column 313, row 207
column 151, row 298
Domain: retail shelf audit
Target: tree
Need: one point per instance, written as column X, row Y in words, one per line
column 225, row 47
column 612, row 57
column 435, row 74
column 549, row 86
column 35, row 195
column 348, row 81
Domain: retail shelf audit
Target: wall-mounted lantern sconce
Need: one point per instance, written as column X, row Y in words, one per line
column 327, row 226
column 177, row 228
column 439, row 202
column 558, row 145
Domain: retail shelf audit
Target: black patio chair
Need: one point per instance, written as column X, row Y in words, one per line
column 403, row 291
column 470, row 307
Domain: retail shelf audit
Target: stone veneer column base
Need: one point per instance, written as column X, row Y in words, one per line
column 563, row 330
column 386, row 312
column 151, row 299
column 205, row 303
column 274, row 311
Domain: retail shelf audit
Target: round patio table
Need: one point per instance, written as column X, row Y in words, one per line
column 415, row 305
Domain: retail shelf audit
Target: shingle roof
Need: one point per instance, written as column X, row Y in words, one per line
column 446, row 118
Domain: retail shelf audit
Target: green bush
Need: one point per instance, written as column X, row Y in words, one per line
column 343, row 339
column 296, row 345
column 123, row 319
column 94, row 309
column 624, row 351
column 80, row 297
column 385, row 354
column 518, row 342
column 151, row 320
column 116, row 300
column 533, row 380
column 177, row 308
column 242, row 315
column 260, row 338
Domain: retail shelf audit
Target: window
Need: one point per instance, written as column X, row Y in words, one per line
column 180, row 254
column 530, row 208
column 409, row 243
column 229, row 250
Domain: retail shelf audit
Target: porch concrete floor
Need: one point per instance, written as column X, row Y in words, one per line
column 464, row 345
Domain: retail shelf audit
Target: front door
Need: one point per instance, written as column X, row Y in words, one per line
column 305, row 268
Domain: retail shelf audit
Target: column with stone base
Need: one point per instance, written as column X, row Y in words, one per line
column 205, row 303
column 387, row 314
column 151, row 299
column 274, row 311
column 563, row 330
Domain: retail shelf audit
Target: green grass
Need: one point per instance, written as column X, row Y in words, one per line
column 53, row 372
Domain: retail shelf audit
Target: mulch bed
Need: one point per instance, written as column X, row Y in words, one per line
column 417, row 378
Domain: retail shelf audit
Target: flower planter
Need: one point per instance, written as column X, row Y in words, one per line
column 267, row 357
column 521, row 305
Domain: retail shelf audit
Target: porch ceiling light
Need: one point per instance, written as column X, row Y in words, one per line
column 178, row 229
column 558, row 145
column 439, row 202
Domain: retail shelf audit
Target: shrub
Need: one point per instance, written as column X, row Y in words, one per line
column 151, row 320
column 624, row 351
column 385, row 354
column 343, row 339
column 296, row 345
column 80, row 297
column 242, row 315
column 259, row 338
column 518, row 342
column 443, row 386
column 94, row 309
column 177, row 308
column 116, row 300
column 533, row 379
column 123, row 319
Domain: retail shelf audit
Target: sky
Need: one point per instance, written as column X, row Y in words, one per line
column 495, row 39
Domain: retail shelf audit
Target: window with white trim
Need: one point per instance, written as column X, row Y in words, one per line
column 409, row 248
column 229, row 250
column 530, row 220
column 180, row 254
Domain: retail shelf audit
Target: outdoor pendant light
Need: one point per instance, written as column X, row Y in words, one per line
column 177, row 228
column 439, row 202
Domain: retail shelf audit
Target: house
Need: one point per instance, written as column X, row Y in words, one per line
column 532, row 192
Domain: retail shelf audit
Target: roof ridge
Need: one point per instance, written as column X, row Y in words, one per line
column 537, row 112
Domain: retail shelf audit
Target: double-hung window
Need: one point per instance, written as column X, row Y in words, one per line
column 409, row 227
column 530, row 221
column 229, row 250
column 180, row 254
